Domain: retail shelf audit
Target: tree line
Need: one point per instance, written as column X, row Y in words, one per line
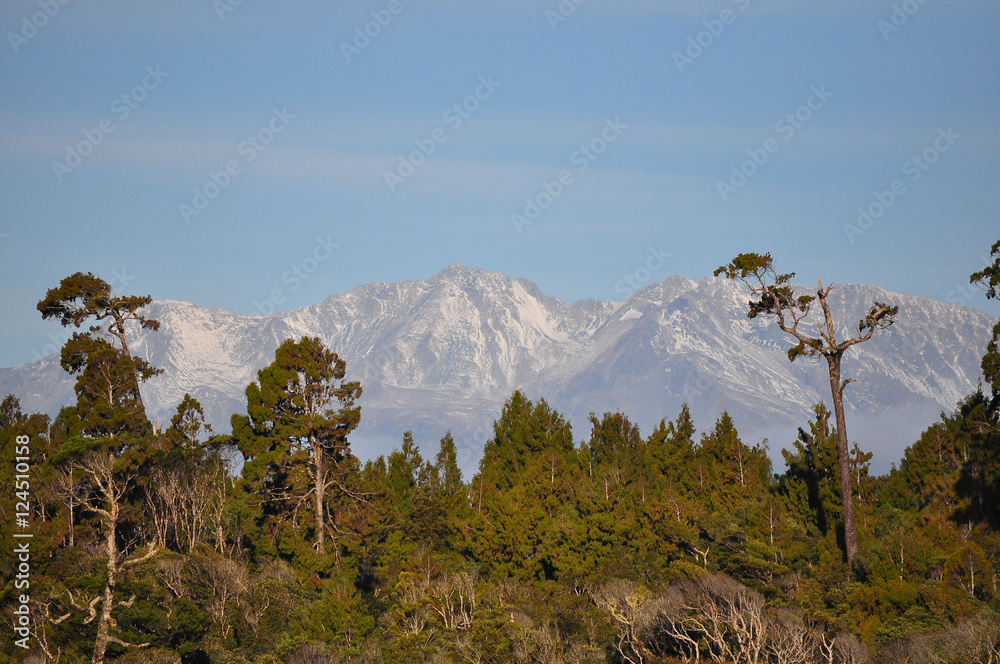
column 678, row 546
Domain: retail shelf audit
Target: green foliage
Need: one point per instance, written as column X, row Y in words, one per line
column 188, row 423
column 989, row 278
column 810, row 485
column 107, row 386
column 524, row 431
column 774, row 299
column 294, row 442
column 80, row 297
column 612, row 549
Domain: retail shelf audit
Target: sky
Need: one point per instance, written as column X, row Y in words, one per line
column 259, row 157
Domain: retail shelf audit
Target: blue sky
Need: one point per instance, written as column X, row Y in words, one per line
column 208, row 85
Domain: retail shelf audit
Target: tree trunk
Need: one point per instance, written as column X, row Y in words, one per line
column 118, row 329
column 843, row 458
column 320, row 490
column 108, row 603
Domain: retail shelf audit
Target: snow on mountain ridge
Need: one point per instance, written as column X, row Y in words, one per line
column 446, row 352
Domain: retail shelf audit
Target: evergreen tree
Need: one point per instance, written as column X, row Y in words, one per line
column 810, row 483
column 294, row 436
column 989, row 278
column 188, row 423
column 108, row 402
column 520, row 489
column 81, row 297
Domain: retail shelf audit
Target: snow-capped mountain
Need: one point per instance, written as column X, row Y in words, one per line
column 446, row 352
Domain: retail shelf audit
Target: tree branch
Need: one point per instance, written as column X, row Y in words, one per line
column 153, row 550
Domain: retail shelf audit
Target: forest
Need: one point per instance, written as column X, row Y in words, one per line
column 131, row 542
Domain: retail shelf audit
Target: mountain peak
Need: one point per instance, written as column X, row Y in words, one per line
column 446, row 352
column 459, row 271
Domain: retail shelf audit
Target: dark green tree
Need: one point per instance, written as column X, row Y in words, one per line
column 81, row 297
column 774, row 296
column 404, row 478
column 524, row 430
column 810, row 483
column 294, row 436
column 447, row 476
column 108, row 402
column 989, row 278
column 520, row 486
column 615, row 441
column 188, row 423
column 107, row 448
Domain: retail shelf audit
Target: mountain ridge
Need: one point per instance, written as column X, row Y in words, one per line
column 446, row 352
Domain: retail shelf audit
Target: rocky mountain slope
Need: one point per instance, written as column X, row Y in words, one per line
column 446, row 352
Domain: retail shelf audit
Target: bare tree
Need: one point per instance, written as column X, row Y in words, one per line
column 676, row 633
column 102, row 490
column 974, row 640
column 792, row 639
column 627, row 603
column 917, row 649
column 849, row 649
column 453, row 599
column 731, row 616
column 775, row 297
column 230, row 582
